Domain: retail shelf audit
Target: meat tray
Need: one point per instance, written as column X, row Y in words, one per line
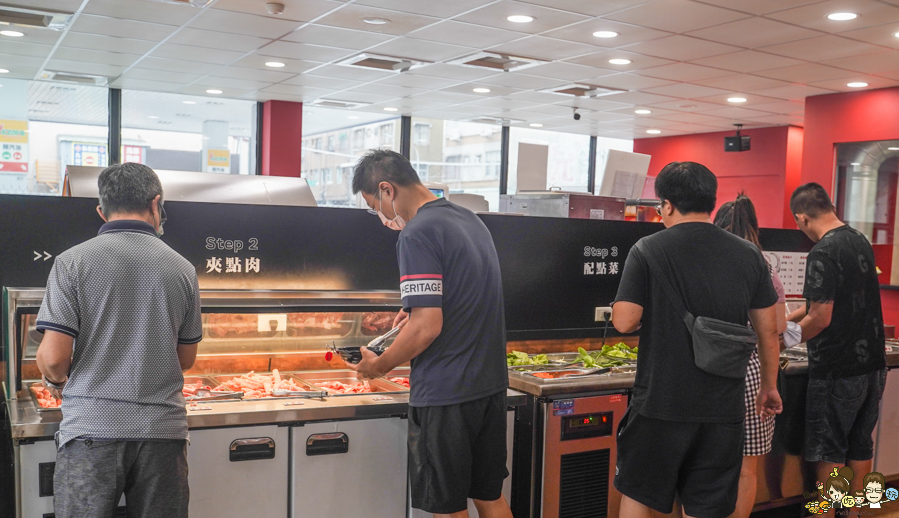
column 33, row 398
column 313, row 390
column 379, row 386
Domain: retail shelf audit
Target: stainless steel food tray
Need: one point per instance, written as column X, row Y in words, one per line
column 34, row 402
column 379, row 386
column 221, row 378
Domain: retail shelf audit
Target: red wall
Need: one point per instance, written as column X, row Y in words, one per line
column 282, row 136
column 772, row 163
column 845, row 117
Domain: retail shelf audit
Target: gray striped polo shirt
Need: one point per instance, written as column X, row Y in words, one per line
column 128, row 300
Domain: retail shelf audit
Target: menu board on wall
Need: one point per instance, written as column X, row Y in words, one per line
column 89, row 154
column 13, row 146
column 790, row 266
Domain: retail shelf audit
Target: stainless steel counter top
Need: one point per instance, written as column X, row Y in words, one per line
column 26, row 422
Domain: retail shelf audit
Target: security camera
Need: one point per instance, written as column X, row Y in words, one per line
column 274, row 8
column 577, row 116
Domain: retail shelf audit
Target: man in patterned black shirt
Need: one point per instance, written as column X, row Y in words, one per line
column 843, row 325
column 121, row 321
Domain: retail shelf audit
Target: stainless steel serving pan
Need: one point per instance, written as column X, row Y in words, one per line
column 378, row 386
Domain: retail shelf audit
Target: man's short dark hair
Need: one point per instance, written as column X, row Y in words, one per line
column 689, row 186
column 127, row 188
column 810, row 200
column 382, row 165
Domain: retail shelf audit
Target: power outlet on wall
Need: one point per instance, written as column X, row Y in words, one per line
column 602, row 311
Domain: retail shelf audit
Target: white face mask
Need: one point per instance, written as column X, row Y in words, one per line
column 397, row 223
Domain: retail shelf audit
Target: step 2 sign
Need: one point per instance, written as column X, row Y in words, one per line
column 13, row 146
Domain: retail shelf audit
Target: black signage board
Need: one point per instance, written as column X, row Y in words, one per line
column 555, row 271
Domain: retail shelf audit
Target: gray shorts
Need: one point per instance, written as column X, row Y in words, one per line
column 840, row 416
column 92, row 474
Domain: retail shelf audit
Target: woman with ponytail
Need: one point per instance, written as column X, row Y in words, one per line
column 738, row 217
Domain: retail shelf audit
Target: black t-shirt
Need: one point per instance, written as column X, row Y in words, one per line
column 840, row 269
column 447, row 260
column 720, row 276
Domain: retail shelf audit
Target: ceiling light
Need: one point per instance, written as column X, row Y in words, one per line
column 376, row 21
column 3, row 71
column 189, row 102
column 12, row 34
column 619, row 61
column 391, row 109
column 893, row 148
column 352, row 117
column 536, row 125
column 213, row 91
column 481, row 90
column 152, row 116
column 274, row 64
column 896, row 34
column 856, row 163
column 520, row 18
column 605, row 34
column 653, row 132
column 736, row 100
column 643, row 112
column 858, row 84
column 842, row 17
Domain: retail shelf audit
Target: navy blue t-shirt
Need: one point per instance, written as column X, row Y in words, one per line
column 447, row 260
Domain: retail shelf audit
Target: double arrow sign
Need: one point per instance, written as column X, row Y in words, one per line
column 37, row 255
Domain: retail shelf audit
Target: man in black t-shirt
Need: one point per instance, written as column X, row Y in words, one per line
column 683, row 430
column 842, row 324
column 454, row 336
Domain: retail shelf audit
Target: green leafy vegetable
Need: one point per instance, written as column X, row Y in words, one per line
column 515, row 358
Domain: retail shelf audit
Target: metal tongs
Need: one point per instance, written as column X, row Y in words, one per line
column 308, row 394
column 381, row 340
column 210, row 395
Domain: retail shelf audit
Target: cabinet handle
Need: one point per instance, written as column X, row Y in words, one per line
column 327, row 444
column 258, row 448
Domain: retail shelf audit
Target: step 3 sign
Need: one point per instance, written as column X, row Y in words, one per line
column 218, row 160
column 13, row 146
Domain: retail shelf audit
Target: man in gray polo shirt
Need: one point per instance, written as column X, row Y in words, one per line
column 121, row 321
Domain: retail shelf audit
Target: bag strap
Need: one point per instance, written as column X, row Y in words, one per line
column 659, row 275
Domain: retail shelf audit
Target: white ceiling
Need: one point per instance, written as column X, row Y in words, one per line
column 688, row 56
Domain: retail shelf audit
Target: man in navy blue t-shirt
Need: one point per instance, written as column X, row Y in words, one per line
column 454, row 336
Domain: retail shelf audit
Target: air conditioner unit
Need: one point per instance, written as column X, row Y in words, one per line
column 582, row 90
column 497, row 61
column 379, row 62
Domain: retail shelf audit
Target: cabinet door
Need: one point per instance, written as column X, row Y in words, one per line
column 348, row 469
column 886, row 450
column 232, row 474
column 36, row 465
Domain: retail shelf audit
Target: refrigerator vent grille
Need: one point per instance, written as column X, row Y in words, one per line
column 584, row 485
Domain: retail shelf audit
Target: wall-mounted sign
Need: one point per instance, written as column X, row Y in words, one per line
column 13, row 146
column 133, row 154
column 218, row 160
column 90, row 154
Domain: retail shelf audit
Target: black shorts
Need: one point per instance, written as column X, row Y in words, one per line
column 699, row 461
column 840, row 417
column 457, row 452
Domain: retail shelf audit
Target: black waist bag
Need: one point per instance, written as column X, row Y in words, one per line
column 719, row 347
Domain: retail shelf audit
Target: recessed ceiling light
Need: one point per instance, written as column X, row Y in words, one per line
column 893, row 148
column 274, row 64
column 3, row 71
column 620, row 61
column 643, row 112
column 896, row 34
column 520, row 18
column 391, row 109
column 536, row 125
column 856, row 163
column 858, row 84
column 12, row 34
column 605, row 34
column 481, row 90
column 842, row 17
column 189, row 102
column 653, row 132
column 152, row 116
column 376, row 21
column 736, row 100
column 213, row 91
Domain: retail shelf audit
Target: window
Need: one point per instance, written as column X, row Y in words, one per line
column 467, row 158
column 347, row 135
column 47, row 126
column 189, row 133
column 866, row 191
column 421, row 133
column 567, row 157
